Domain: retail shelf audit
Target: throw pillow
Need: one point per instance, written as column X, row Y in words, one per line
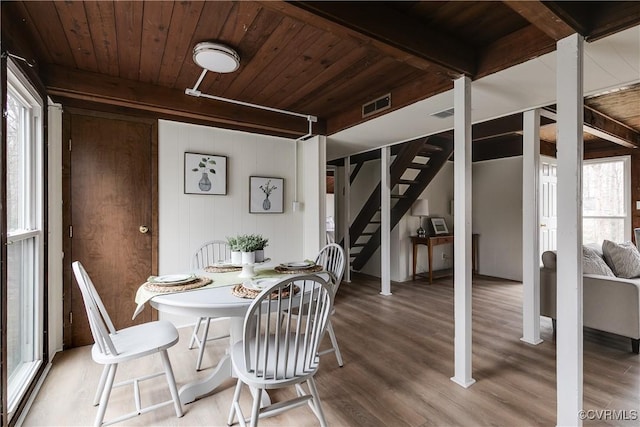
column 592, row 263
column 623, row 258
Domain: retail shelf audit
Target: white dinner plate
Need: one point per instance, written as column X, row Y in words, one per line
column 171, row 279
column 297, row 265
column 260, row 284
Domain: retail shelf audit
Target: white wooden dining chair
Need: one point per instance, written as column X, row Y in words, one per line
column 280, row 349
column 112, row 347
column 208, row 254
column 331, row 257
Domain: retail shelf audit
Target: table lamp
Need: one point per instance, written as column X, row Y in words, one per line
column 420, row 209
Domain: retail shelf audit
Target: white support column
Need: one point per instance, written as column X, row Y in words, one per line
column 462, row 230
column 385, row 219
column 347, row 218
column 531, row 228
column 313, row 176
column 569, row 271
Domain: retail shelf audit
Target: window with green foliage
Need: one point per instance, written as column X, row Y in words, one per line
column 606, row 200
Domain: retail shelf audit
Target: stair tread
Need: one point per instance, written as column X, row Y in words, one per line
column 430, row 148
column 407, row 181
column 418, row 166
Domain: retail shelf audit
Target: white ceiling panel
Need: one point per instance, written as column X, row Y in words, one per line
column 608, row 63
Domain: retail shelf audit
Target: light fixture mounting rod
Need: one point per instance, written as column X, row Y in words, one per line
column 197, row 93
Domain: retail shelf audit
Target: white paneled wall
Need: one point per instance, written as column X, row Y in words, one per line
column 497, row 216
column 188, row 220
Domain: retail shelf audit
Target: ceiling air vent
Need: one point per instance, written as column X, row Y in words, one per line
column 382, row 103
column 444, row 113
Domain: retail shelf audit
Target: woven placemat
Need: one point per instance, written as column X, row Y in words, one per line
column 222, row 269
column 197, row 283
column 313, row 269
column 241, row 292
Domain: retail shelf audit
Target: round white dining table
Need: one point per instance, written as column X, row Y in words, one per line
column 211, row 302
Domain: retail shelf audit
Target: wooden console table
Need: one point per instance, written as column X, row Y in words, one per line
column 432, row 241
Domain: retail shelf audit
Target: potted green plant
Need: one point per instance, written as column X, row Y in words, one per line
column 246, row 246
column 260, row 243
column 234, row 245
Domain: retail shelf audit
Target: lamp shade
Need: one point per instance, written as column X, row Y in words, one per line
column 420, row 208
column 216, row 57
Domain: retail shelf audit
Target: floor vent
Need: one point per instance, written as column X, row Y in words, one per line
column 382, row 103
column 444, row 113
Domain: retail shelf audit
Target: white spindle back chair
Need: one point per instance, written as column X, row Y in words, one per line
column 280, row 349
column 210, row 253
column 112, row 347
column 331, row 257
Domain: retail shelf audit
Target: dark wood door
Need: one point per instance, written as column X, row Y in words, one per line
column 110, row 195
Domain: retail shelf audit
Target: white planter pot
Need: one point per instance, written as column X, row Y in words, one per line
column 236, row 257
column 259, row 255
column 248, row 257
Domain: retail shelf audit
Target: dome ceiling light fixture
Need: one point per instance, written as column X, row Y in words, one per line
column 216, row 57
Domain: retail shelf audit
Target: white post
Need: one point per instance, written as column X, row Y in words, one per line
column 462, row 230
column 347, row 218
column 569, row 271
column 531, row 228
column 385, row 219
column 313, row 175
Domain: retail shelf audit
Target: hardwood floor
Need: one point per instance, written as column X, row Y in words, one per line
column 398, row 354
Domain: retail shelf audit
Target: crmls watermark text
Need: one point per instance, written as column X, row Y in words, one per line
column 609, row 415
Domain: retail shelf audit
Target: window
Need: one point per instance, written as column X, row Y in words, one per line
column 606, row 200
column 25, row 248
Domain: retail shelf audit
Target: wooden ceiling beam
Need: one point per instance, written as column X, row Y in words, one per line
column 413, row 91
column 609, row 129
column 400, row 36
column 612, row 17
column 595, row 20
column 515, row 48
column 604, row 127
column 502, row 126
column 96, row 88
column 538, row 14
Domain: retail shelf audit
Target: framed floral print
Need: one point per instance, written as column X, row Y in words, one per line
column 266, row 194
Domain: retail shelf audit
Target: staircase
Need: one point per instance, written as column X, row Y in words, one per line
column 416, row 164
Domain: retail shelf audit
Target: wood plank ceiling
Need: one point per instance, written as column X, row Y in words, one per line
column 319, row 58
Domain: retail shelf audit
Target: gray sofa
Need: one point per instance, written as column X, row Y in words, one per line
column 611, row 304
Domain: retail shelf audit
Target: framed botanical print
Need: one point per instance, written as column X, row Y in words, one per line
column 205, row 174
column 266, row 194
